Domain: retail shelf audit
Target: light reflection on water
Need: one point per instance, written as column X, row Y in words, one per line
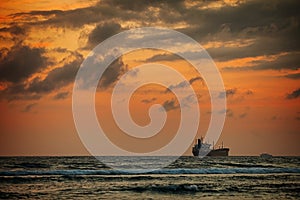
column 187, row 178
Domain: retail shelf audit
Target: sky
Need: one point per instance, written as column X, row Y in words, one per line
column 254, row 44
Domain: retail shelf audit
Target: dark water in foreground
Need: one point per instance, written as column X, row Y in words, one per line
column 187, row 178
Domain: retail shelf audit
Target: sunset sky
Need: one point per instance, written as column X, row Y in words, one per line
column 254, row 44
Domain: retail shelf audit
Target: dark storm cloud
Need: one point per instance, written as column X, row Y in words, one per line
column 294, row 94
column 3, row 52
column 137, row 5
column 37, row 12
column 243, row 115
column 264, row 42
column 235, row 95
column 102, row 32
column 13, row 33
column 12, row 95
column 290, row 61
column 249, row 92
column 37, row 88
column 61, row 95
column 56, row 78
column 14, row 30
column 133, row 72
column 21, row 62
column 29, row 107
column 198, row 78
column 163, row 57
column 190, row 99
column 174, row 57
column 106, row 10
column 293, row 76
column 68, row 18
column 170, row 105
column 228, row 93
column 146, row 101
column 102, row 11
column 272, row 26
column 112, row 73
column 183, row 84
column 229, row 113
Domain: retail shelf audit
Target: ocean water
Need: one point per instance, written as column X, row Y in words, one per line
column 186, row 178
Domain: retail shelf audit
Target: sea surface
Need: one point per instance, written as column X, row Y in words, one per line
column 186, row 178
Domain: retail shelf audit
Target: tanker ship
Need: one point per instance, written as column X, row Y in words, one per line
column 204, row 149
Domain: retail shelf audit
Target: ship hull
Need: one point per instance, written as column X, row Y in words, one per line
column 213, row 153
column 219, row 152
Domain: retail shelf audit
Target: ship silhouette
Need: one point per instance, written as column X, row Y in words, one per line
column 204, row 149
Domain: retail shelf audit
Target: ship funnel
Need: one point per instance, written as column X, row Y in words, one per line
column 199, row 143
